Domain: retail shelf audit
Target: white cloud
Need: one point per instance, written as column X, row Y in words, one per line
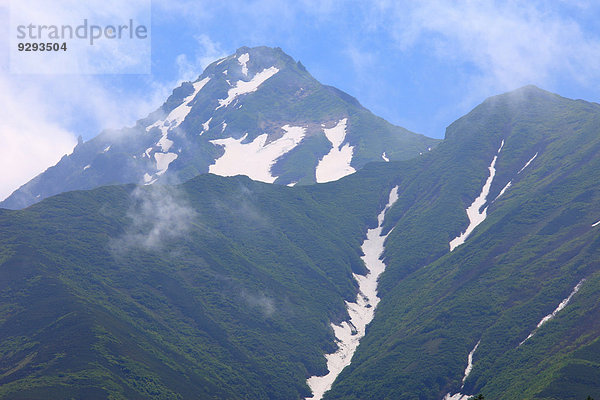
column 42, row 114
column 207, row 52
column 510, row 43
column 158, row 216
column 38, row 110
column 30, row 140
column 265, row 304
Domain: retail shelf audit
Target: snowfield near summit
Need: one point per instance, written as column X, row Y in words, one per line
column 336, row 164
column 258, row 156
column 243, row 60
column 163, row 160
column 243, row 87
column 176, row 117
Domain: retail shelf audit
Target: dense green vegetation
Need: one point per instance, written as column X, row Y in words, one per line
column 224, row 288
column 220, row 288
column 535, row 246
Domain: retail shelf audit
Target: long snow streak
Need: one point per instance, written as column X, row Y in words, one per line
column 258, row 156
column 528, row 162
column 336, row 164
column 509, row 184
column 349, row 333
column 558, row 309
column 243, row 87
column 460, row 396
column 504, row 189
column 469, row 363
column 596, row 224
column 476, row 216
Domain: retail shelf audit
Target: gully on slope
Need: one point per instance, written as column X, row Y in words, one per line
column 460, row 396
column 361, row 312
column 476, row 216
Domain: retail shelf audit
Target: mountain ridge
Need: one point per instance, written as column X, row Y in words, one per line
column 258, row 102
column 230, row 286
column 535, row 245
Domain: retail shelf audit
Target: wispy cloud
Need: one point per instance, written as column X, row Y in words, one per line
column 30, row 140
column 265, row 304
column 509, row 43
column 158, row 215
column 207, row 51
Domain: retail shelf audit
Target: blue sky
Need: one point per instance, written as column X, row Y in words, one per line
column 419, row 64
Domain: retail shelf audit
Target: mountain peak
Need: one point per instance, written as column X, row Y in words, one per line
column 526, row 93
column 248, row 60
column 256, row 112
column 499, row 115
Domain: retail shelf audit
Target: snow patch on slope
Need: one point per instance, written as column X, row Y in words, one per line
column 558, row 309
column 243, row 87
column 256, row 158
column 476, row 216
column 460, row 396
column 336, row 164
column 385, row 157
column 206, row 125
column 528, row 162
column 596, row 224
column 243, row 61
column 470, row 363
column 163, row 160
column 176, row 117
column 504, row 189
column 349, row 333
column 508, row 185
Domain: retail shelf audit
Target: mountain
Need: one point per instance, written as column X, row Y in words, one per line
column 223, row 287
column 256, row 112
column 534, row 157
column 218, row 288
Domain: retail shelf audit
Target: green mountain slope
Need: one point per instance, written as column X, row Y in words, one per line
column 226, row 288
column 220, row 288
column 536, row 244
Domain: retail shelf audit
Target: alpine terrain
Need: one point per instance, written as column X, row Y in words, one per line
column 256, row 113
column 471, row 268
